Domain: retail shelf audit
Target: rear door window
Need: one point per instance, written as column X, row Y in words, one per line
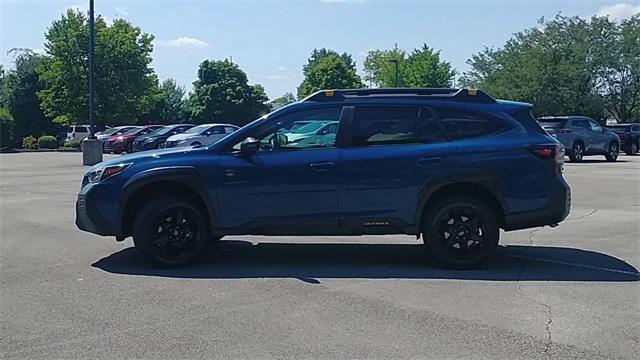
column 580, row 124
column 384, row 125
column 466, row 124
column 427, row 128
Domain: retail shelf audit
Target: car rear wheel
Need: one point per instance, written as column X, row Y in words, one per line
column 461, row 232
column 612, row 154
column 170, row 232
column 577, row 152
column 633, row 149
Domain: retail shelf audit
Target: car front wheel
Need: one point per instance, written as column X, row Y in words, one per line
column 461, row 232
column 612, row 154
column 170, row 232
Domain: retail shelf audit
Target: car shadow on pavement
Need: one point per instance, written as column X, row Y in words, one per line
column 310, row 262
column 595, row 161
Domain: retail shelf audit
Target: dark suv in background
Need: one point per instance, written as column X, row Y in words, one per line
column 156, row 139
column 582, row 136
column 629, row 135
column 451, row 165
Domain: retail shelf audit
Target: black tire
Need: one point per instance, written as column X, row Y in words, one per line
column 577, row 152
column 632, row 149
column 444, row 227
column 170, row 232
column 612, row 152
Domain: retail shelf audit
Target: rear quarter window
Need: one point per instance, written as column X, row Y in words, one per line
column 466, row 124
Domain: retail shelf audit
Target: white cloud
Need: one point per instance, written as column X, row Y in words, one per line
column 183, row 42
column 277, row 77
column 122, row 11
column 619, row 11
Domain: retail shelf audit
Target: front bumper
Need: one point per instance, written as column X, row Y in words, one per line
column 88, row 216
column 556, row 210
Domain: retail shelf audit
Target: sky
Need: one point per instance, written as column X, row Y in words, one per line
column 271, row 40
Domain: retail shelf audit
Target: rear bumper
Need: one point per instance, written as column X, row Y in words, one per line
column 556, row 210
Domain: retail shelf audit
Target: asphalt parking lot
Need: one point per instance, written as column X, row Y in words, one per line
column 567, row 292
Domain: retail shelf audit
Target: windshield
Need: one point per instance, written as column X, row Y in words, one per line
column 552, row 123
column 162, row 130
column 109, row 131
column 198, row 129
column 619, row 129
column 133, row 131
column 309, row 128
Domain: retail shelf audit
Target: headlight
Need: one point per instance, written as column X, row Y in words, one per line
column 101, row 173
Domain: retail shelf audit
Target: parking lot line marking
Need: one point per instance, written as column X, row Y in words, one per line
column 560, row 262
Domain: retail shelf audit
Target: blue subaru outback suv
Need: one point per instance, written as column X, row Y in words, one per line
column 451, row 165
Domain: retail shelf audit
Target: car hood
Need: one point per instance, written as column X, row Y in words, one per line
column 180, row 137
column 149, row 155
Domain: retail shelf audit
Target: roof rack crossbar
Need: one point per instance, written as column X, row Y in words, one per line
column 471, row 95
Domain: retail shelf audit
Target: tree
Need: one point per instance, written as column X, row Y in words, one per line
column 318, row 54
column 222, row 94
column 283, row 100
column 331, row 72
column 124, row 79
column 566, row 66
column 618, row 78
column 168, row 104
column 421, row 68
column 7, row 125
column 22, row 85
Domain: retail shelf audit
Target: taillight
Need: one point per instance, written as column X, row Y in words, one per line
column 553, row 152
column 623, row 136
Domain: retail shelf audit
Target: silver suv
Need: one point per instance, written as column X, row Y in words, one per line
column 582, row 136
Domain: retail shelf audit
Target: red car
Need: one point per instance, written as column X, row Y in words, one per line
column 119, row 144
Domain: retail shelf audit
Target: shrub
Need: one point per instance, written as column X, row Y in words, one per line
column 47, row 142
column 73, row 143
column 29, row 142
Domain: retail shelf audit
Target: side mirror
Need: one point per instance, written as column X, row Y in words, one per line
column 249, row 146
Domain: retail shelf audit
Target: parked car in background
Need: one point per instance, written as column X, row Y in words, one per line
column 424, row 162
column 629, row 135
column 118, row 130
column 77, row 132
column 205, row 134
column 318, row 133
column 156, row 139
column 119, row 144
column 582, row 136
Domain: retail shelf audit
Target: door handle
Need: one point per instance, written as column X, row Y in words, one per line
column 322, row 166
column 230, row 173
column 429, row 161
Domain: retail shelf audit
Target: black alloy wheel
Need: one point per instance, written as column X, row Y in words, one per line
column 170, row 232
column 461, row 232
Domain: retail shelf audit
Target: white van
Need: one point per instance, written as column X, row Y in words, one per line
column 77, row 132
